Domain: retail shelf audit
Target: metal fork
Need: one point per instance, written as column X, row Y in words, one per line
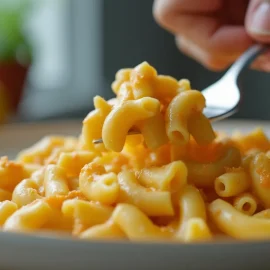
column 223, row 97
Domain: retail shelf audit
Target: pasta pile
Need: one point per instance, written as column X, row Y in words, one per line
column 177, row 180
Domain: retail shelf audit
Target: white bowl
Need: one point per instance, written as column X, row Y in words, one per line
column 29, row 252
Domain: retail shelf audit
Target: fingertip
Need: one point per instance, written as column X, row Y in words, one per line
column 157, row 12
column 258, row 21
column 162, row 12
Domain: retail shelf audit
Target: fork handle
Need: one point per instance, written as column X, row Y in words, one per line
column 245, row 59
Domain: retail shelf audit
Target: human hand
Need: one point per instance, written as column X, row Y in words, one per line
column 215, row 32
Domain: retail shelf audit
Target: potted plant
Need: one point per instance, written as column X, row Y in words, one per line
column 15, row 54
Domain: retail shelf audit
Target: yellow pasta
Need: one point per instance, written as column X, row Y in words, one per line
column 121, row 76
column 29, row 217
column 178, row 113
column 95, row 119
column 184, row 85
column 97, row 185
column 7, row 208
column 166, row 88
column 260, row 175
column 25, row 192
column 73, row 162
column 198, row 122
column 42, row 149
column 254, row 140
column 125, row 93
column 144, row 198
column 152, row 126
column 57, row 221
column 88, row 213
column 30, row 168
column 246, row 203
column 136, row 225
column 141, row 88
column 38, row 178
column 197, row 231
column 169, row 177
column 117, row 125
column 55, row 181
column 263, row 214
column 141, row 80
column 237, row 224
column 73, row 183
column 106, row 231
column 191, row 206
column 5, row 195
column 11, row 173
column 232, row 183
column 159, row 173
column 204, row 174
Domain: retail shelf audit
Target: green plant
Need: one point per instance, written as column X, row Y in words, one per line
column 14, row 44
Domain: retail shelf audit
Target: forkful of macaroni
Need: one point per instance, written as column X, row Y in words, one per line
column 224, row 96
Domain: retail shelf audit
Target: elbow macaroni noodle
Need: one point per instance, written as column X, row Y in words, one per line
column 177, row 180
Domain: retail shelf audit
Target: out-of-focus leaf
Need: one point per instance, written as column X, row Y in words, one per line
column 13, row 41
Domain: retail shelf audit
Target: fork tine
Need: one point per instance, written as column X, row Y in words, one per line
column 98, row 141
column 131, row 132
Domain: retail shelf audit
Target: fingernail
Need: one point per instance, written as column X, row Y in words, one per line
column 260, row 23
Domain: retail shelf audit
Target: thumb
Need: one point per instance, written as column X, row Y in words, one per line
column 258, row 20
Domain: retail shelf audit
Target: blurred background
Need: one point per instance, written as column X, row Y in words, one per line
column 55, row 55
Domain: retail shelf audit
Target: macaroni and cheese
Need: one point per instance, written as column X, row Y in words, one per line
column 174, row 179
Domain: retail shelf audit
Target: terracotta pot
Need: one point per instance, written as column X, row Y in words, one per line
column 13, row 76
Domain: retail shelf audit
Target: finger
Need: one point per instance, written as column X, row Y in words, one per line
column 212, row 35
column 183, row 17
column 258, row 20
column 167, row 11
column 209, row 60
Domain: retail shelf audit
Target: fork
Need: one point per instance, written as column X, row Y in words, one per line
column 224, row 96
